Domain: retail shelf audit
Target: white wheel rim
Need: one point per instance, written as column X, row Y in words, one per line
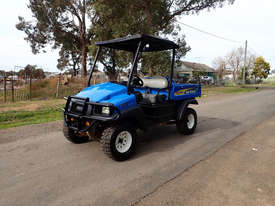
column 123, row 141
column 190, row 121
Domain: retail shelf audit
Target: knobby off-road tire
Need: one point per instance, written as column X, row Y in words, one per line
column 188, row 123
column 119, row 143
column 73, row 137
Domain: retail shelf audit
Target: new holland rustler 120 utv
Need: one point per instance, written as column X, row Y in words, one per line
column 112, row 112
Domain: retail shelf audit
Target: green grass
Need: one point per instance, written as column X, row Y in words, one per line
column 265, row 84
column 212, row 91
column 232, row 90
column 45, row 112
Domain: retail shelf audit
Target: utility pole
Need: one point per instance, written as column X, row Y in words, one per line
column 5, row 88
column 58, row 85
column 244, row 68
column 30, row 91
column 12, row 87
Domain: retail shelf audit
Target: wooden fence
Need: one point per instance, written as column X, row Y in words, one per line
column 12, row 90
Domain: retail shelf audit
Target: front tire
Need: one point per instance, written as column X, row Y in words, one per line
column 188, row 123
column 119, row 142
column 73, row 136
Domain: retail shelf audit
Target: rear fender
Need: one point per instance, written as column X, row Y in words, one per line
column 182, row 108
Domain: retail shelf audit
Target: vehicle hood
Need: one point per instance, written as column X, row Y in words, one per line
column 104, row 92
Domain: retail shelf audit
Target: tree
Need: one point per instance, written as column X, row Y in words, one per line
column 261, row 68
column 121, row 18
column 2, row 73
column 179, row 7
column 234, row 62
column 60, row 23
column 246, row 73
column 39, row 74
column 198, row 74
column 220, row 65
column 69, row 58
column 159, row 63
column 31, row 70
column 248, row 68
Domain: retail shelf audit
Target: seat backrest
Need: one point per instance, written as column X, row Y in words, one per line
column 155, row 82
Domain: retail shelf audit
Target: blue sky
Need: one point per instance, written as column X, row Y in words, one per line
column 244, row 20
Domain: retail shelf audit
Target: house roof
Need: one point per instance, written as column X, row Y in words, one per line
column 130, row 43
column 198, row 67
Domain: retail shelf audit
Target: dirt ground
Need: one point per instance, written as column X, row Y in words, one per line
column 240, row 173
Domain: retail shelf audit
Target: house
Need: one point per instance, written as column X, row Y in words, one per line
column 14, row 77
column 228, row 75
column 186, row 70
column 272, row 74
column 51, row 74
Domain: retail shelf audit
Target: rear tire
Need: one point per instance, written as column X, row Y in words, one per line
column 188, row 123
column 73, row 136
column 119, row 143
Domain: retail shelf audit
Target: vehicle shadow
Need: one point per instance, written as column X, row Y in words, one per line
column 205, row 124
column 163, row 138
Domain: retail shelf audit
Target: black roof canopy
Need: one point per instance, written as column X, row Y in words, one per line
column 130, row 43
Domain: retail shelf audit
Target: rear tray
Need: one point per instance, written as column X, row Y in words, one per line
column 185, row 91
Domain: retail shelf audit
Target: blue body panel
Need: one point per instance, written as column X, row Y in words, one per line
column 185, row 91
column 109, row 93
column 117, row 94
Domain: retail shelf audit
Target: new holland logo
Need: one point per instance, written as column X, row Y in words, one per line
column 185, row 91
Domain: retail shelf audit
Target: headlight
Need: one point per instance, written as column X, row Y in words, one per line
column 106, row 110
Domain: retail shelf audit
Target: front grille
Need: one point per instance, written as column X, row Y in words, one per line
column 77, row 106
column 82, row 109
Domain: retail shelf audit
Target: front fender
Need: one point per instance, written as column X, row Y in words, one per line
column 133, row 116
column 182, row 108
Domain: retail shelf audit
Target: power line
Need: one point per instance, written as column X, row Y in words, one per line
column 220, row 37
column 208, row 33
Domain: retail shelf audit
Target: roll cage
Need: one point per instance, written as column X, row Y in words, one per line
column 138, row 44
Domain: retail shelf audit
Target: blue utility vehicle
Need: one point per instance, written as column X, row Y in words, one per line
column 112, row 112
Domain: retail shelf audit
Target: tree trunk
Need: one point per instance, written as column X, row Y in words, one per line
column 113, row 76
column 84, row 59
column 112, row 70
column 234, row 75
column 74, row 69
column 83, row 40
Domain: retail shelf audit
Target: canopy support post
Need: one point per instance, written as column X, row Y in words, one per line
column 93, row 68
column 171, row 74
column 133, row 67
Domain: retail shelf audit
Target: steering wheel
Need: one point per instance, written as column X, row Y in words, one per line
column 137, row 81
